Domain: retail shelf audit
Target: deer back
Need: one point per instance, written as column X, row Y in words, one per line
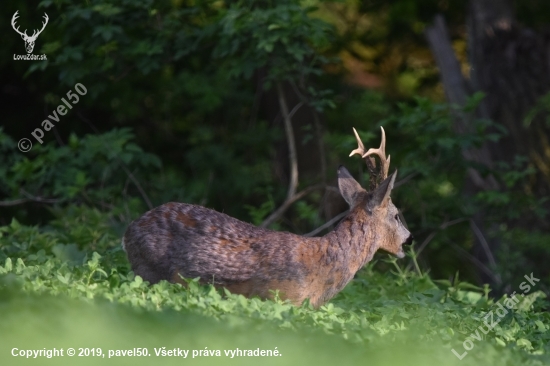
column 178, row 240
column 190, row 241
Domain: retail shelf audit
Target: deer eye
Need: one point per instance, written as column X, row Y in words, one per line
column 397, row 217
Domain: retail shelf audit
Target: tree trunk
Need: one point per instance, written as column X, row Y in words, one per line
column 511, row 66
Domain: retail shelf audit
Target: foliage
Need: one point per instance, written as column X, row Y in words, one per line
column 278, row 36
column 375, row 314
column 193, row 83
column 436, row 204
column 84, row 170
column 110, row 172
column 180, row 75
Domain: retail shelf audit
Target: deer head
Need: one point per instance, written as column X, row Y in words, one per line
column 391, row 230
column 178, row 240
column 29, row 40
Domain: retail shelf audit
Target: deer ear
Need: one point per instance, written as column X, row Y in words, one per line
column 348, row 186
column 381, row 194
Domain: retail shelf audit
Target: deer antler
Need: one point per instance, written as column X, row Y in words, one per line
column 13, row 19
column 371, row 163
column 381, row 152
column 24, row 34
column 43, row 25
column 361, row 148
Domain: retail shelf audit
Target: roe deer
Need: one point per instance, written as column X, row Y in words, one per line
column 178, row 240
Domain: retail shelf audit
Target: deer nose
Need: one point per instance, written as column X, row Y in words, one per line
column 409, row 240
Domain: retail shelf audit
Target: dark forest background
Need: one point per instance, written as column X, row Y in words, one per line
column 248, row 106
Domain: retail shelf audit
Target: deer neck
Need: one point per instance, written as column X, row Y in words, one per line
column 335, row 258
column 352, row 244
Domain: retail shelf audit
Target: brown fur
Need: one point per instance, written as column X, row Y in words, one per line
column 192, row 241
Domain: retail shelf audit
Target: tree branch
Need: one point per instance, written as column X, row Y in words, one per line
column 402, row 181
column 293, row 162
column 287, row 203
column 484, row 244
column 291, row 195
column 478, row 263
column 327, row 224
column 457, row 91
column 25, row 200
column 295, row 109
column 445, row 225
column 320, row 144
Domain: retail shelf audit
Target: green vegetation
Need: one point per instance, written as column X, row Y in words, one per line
column 55, row 293
column 203, row 102
column 196, row 83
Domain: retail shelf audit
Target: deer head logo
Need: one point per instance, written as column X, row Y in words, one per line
column 29, row 40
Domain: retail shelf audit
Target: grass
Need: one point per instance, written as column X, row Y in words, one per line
column 68, row 285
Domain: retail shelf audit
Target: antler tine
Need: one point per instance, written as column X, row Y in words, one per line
column 13, row 20
column 361, row 148
column 371, row 165
column 381, row 152
column 46, row 18
column 43, row 26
